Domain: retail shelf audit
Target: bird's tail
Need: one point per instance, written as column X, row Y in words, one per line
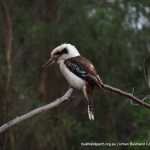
column 90, row 113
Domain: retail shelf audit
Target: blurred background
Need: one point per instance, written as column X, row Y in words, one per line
column 113, row 34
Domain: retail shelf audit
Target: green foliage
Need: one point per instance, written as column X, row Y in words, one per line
column 113, row 34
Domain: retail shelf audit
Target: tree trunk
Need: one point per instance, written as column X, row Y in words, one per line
column 9, row 140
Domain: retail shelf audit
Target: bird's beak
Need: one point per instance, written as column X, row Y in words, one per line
column 50, row 62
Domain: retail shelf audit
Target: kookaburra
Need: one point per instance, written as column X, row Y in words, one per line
column 78, row 71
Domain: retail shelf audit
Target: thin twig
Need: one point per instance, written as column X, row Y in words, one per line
column 36, row 111
column 132, row 100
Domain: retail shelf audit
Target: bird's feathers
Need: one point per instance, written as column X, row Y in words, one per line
column 84, row 69
column 73, row 80
column 88, row 92
column 79, row 72
column 65, row 51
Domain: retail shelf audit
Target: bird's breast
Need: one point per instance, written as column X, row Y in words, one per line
column 73, row 80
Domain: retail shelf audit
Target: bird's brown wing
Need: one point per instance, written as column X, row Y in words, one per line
column 84, row 69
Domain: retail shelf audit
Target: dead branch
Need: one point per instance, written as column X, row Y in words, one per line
column 64, row 98
column 129, row 95
column 34, row 112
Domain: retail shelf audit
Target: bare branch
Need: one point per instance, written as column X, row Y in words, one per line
column 36, row 111
column 129, row 95
column 64, row 98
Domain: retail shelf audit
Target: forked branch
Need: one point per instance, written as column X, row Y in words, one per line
column 129, row 95
column 64, row 98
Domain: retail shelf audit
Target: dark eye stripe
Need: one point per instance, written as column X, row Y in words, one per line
column 64, row 51
column 58, row 53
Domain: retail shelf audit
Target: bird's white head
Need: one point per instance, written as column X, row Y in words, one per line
column 65, row 51
column 62, row 52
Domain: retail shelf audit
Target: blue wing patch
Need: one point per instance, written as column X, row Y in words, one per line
column 77, row 69
column 80, row 67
